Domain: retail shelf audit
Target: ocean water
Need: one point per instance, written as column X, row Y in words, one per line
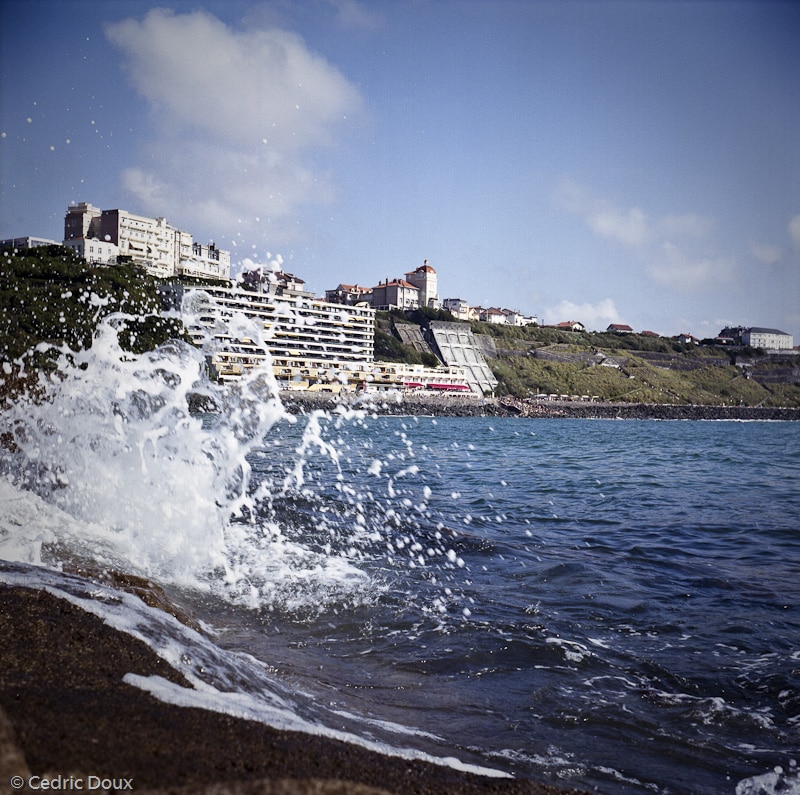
column 613, row 605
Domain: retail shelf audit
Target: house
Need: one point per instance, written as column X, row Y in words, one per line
column 460, row 309
column 651, row 334
column 350, row 294
column 571, row 325
column 277, row 282
column 396, row 294
column 619, row 328
column 687, row 339
column 494, row 315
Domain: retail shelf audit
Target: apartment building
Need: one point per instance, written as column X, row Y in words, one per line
column 164, row 250
column 309, row 342
column 768, row 339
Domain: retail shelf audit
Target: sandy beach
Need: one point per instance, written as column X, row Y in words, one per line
column 67, row 717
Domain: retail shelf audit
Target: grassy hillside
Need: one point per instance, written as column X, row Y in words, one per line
column 618, row 367
column 49, row 295
column 638, row 369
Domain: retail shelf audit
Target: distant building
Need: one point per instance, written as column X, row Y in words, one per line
column 152, row 242
column 768, row 339
column 493, row 315
column 397, row 294
column 571, row 325
column 275, row 282
column 424, row 279
column 308, row 342
column 460, row 309
column 687, row 339
column 619, row 328
column 516, row 318
column 349, row 294
column 94, row 251
column 13, row 243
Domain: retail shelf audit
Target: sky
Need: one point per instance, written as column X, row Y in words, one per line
column 605, row 162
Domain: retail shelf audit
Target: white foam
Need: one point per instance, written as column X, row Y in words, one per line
column 117, row 469
column 777, row 782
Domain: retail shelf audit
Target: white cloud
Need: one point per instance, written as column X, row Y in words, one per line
column 688, row 225
column 237, row 117
column 675, row 250
column 794, row 230
column 673, row 267
column 351, row 14
column 766, row 254
column 629, row 227
column 593, row 316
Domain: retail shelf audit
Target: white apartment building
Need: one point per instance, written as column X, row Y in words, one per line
column 164, row 250
column 310, row 344
column 768, row 339
column 309, row 341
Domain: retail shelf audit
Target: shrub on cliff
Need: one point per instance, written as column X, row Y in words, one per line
column 50, row 295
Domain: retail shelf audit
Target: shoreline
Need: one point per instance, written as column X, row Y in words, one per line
column 66, row 711
column 474, row 406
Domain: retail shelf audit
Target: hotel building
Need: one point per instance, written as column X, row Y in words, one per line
column 102, row 235
column 310, row 344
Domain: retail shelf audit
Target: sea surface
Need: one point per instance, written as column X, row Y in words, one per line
column 612, row 605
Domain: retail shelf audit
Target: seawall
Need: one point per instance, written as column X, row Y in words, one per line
column 473, row 406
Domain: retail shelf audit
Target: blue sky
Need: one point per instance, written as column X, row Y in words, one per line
column 630, row 162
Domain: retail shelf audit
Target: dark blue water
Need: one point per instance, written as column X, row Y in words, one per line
column 609, row 604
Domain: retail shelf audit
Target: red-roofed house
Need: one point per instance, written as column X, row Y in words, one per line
column 350, row 294
column 571, row 325
column 397, row 294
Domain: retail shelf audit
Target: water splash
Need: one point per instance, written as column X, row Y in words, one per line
column 126, row 475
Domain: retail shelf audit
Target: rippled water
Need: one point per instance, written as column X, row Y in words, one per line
column 626, row 616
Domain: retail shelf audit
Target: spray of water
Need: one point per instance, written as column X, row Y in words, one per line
column 127, row 476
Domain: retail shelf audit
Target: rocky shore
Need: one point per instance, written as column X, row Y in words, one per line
column 66, row 715
column 473, row 406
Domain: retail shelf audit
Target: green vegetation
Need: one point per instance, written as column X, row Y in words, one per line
column 50, row 295
column 389, row 349
column 630, row 368
column 643, row 369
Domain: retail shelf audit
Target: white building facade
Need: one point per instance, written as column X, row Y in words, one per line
column 424, row 279
column 307, row 342
column 94, row 251
column 164, row 250
column 768, row 339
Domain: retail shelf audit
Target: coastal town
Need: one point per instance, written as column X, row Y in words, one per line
column 320, row 344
